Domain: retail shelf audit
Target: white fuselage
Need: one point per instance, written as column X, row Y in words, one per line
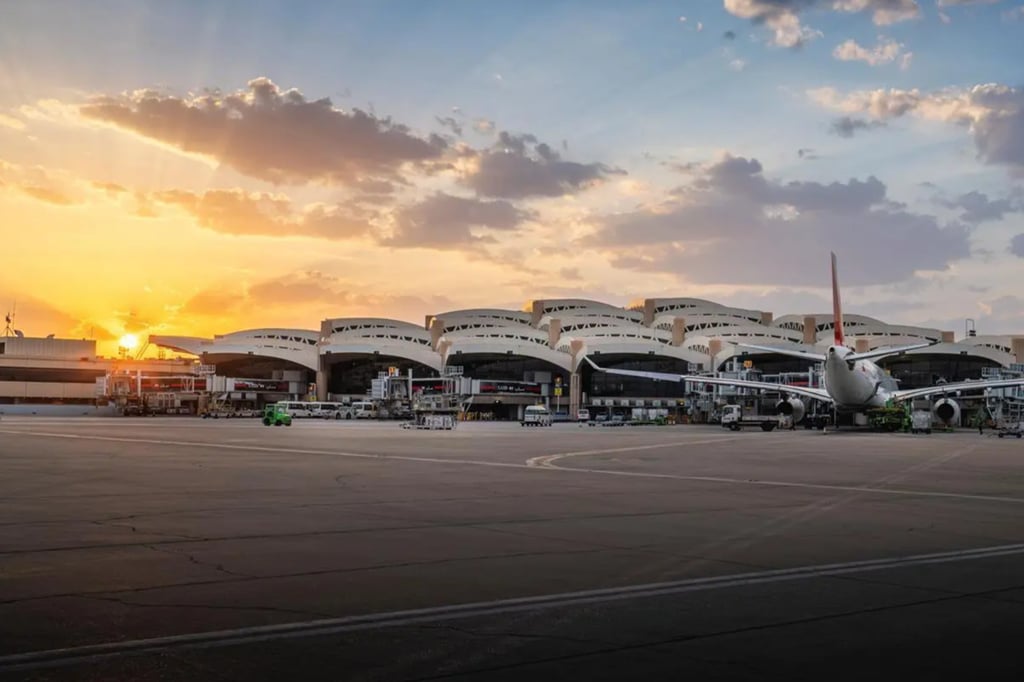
column 855, row 385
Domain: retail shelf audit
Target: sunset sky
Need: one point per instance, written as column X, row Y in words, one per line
column 202, row 167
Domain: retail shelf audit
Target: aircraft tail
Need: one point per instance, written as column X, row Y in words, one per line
column 837, row 306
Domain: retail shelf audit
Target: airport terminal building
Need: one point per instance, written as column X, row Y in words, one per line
column 520, row 357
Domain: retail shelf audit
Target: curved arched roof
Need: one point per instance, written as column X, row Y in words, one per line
column 292, row 345
column 470, row 345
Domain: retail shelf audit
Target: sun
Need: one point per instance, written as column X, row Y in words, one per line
column 129, row 341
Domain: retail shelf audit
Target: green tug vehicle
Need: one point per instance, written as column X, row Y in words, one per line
column 276, row 415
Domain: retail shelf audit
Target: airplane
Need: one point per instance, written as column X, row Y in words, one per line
column 852, row 381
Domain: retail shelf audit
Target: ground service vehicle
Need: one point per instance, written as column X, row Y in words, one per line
column 734, row 419
column 583, row 415
column 298, row 409
column 536, row 415
column 332, row 410
column 921, row 421
column 276, row 415
column 365, row 410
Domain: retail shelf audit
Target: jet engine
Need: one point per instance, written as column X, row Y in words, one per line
column 947, row 411
column 791, row 407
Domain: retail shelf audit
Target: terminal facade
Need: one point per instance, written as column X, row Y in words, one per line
column 506, row 359
column 521, row 357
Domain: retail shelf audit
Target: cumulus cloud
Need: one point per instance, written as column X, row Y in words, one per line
column 782, row 16
column 992, row 113
column 846, row 126
column 451, row 124
column 447, row 221
column 884, row 52
column 329, row 294
column 519, row 166
column 11, row 122
column 1017, row 245
column 238, row 212
column 976, row 207
column 271, row 134
column 782, row 231
column 47, row 194
column 484, row 126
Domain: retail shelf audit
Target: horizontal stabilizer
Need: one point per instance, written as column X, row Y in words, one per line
column 886, row 352
column 781, row 350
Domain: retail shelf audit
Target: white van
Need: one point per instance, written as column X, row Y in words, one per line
column 364, row 409
column 333, row 410
column 536, row 415
column 297, row 409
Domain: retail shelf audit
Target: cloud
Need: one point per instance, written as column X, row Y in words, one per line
column 484, row 126
column 951, row 3
column 110, row 187
column 238, row 212
column 518, row 166
column 737, row 64
column 884, row 52
column 47, row 194
column 729, row 35
column 807, row 154
column 444, row 221
column 1014, row 14
column 292, row 296
column 1017, row 245
column 781, row 231
column 11, row 122
column 451, row 124
column 782, row 16
column 846, row 126
column 270, row 134
column 976, row 207
column 993, row 114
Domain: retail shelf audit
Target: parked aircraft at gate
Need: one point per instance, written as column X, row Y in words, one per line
column 852, row 381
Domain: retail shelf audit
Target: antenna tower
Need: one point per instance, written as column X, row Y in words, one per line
column 9, row 320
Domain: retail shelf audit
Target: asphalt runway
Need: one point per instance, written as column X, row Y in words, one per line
column 184, row 549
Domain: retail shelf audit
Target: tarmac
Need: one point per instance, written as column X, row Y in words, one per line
column 186, row 549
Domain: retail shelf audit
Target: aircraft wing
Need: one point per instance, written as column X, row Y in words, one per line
column 911, row 393
column 803, row 391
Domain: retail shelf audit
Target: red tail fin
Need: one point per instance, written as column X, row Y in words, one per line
column 837, row 305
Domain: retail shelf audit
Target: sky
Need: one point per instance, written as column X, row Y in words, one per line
column 203, row 167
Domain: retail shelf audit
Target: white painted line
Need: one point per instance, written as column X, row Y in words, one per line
column 540, row 465
column 327, row 626
column 547, row 461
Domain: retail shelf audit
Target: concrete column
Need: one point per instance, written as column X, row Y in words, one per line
column 536, row 312
column 1017, row 345
column 648, row 311
column 678, row 331
column 714, row 348
column 554, row 332
column 442, row 350
column 428, row 320
column 321, row 381
column 436, row 331
column 574, row 394
column 766, row 317
column 810, row 331
column 861, row 346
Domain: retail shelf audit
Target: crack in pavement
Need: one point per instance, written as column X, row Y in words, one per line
column 214, row 607
column 303, row 574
